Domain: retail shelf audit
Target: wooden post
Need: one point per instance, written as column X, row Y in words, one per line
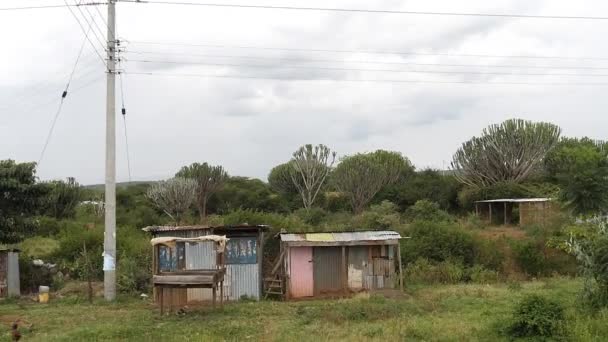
column 477, row 209
column 344, row 272
column 400, row 267
column 505, row 218
column 222, row 294
column 490, row 208
column 162, row 294
column 214, row 294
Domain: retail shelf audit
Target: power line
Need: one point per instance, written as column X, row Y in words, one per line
column 49, row 6
column 86, row 35
column 280, row 59
column 63, row 95
column 367, row 80
column 357, row 10
column 374, row 52
column 359, row 69
column 93, row 22
column 124, row 121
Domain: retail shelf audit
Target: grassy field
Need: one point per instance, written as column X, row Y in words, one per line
column 465, row 312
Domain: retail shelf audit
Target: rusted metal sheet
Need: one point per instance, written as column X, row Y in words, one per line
column 242, row 280
column 327, row 269
column 301, row 272
column 200, row 255
column 357, row 265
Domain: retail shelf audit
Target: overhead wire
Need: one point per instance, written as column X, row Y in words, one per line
column 49, row 6
column 360, row 51
column 453, row 72
column 373, row 11
column 86, row 34
column 124, row 120
column 63, row 96
column 312, row 60
column 94, row 23
column 365, row 80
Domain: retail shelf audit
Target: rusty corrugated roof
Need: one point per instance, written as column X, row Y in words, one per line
column 341, row 236
column 153, row 229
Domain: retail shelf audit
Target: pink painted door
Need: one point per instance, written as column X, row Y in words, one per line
column 301, row 282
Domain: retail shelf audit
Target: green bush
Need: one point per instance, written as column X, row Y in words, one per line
column 437, row 242
column 39, row 247
column 479, row 274
column 529, row 257
column 379, row 216
column 423, row 271
column 490, row 253
column 536, row 316
column 70, row 257
column 425, row 210
column 313, row 216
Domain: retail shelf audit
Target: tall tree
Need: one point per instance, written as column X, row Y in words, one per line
column 363, row 175
column 311, row 165
column 580, row 168
column 509, row 152
column 209, row 180
column 20, row 199
column 174, row 196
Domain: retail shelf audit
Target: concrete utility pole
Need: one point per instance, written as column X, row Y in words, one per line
column 109, row 241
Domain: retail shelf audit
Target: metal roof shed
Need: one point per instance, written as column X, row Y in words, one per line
column 317, row 264
column 243, row 258
column 531, row 210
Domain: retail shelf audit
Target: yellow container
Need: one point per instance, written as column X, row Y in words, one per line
column 43, row 294
column 43, row 297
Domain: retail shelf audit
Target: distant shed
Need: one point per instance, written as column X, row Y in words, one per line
column 243, row 258
column 314, row 264
column 531, row 210
column 9, row 273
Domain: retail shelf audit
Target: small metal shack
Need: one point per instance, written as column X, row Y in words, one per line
column 243, row 258
column 316, row 264
column 9, row 273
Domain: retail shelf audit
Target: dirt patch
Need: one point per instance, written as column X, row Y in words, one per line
column 80, row 288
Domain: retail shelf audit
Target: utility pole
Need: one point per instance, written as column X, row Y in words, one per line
column 109, row 241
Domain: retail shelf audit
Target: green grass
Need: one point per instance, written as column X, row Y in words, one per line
column 464, row 312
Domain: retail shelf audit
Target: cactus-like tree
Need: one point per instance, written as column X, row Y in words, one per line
column 209, row 180
column 310, row 167
column 506, row 152
column 174, row 196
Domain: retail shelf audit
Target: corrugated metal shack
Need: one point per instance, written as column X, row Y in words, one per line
column 315, row 264
column 244, row 251
column 9, row 273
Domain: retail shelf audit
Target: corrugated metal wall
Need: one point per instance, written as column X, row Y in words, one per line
column 357, row 266
column 242, row 280
column 13, row 274
column 327, row 269
column 200, row 256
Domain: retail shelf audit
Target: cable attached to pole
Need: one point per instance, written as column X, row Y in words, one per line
column 64, row 95
column 124, row 121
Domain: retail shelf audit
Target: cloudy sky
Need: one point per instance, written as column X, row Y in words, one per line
column 245, row 87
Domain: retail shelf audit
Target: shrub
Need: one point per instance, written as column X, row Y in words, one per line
column 39, row 247
column 425, row 210
column 490, row 253
column 438, row 242
column 481, row 275
column 536, row 316
column 424, row 271
column 379, row 216
column 70, row 255
column 529, row 257
column 313, row 216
